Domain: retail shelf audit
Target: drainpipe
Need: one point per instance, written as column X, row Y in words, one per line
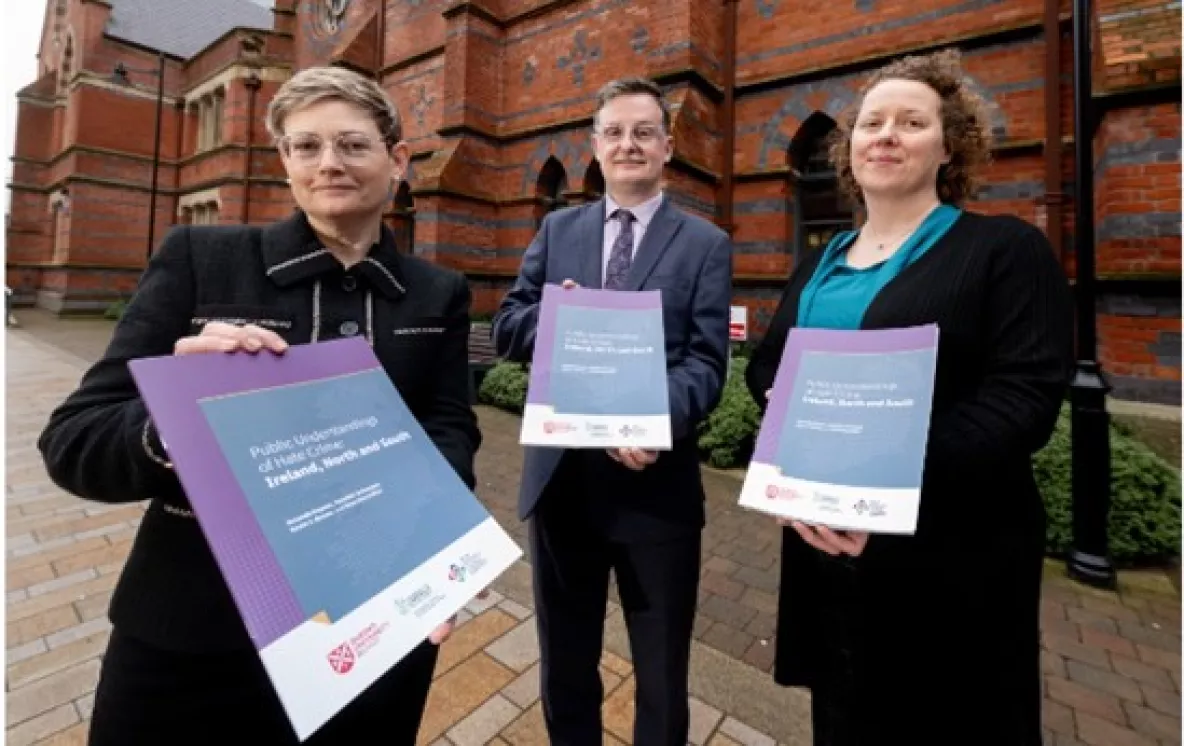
column 252, row 83
column 380, row 44
column 727, row 196
column 1054, row 198
column 179, row 155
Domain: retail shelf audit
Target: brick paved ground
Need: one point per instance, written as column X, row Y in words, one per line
column 1111, row 664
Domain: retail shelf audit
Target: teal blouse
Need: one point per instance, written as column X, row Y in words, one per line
column 837, row 295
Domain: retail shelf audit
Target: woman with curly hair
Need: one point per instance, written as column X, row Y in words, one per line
column 930, row 638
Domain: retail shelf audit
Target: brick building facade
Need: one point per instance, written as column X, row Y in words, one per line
column 496, row 98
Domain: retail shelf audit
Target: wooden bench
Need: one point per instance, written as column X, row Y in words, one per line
column 482, row 355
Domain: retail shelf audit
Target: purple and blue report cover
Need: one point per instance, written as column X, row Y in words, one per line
column 843, row 440
column 598, row 374
column 343, row 534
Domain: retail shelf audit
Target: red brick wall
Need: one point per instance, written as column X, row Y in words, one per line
column 471, row 90
column 29, row 237
column 114, row 120
column 553, row 66
column 1139, row 42
column 105, row 54
column 1137, row 203
column 56, row 25
column 108, row 225
column 527, row 81
column 212, row 60
column 413, row 29
column 1139, row 344
column 100, row 146
column 697, row 128
column 314, row 45
column 32, row 122
column 418, row 91
column 764, row 223
column 707, row 38
column 774, row 40
column 1137, row 192
column 359, row 47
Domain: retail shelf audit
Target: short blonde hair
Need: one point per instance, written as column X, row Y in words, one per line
column 316, row 84
column 965, row 121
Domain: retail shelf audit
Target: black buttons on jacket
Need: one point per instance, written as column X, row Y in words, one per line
column 349, row 283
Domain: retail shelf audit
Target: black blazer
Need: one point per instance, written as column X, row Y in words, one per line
column 1005, row 357
column 277, row 276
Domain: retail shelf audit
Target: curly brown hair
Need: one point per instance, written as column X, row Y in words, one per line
column 964, row 117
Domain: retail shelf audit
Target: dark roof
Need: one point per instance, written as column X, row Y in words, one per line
column 184, row 27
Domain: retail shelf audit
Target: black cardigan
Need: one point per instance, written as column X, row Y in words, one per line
column 1005, row 357
column 171, row 592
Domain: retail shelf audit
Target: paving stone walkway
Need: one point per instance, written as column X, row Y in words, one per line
column 1111, row 660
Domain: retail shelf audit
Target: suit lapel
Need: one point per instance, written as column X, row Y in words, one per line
column 590, row 246
column 661, row 230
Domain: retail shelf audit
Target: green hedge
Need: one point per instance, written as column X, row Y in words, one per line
column 1144, row 497
column 116, row 309
column 504, row 386
column 1145, row 517
column 728, row 435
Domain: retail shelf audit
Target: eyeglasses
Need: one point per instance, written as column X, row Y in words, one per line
column 307, row 149
column 642, row 134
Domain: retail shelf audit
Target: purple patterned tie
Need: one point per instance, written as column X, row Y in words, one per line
column 621, row 256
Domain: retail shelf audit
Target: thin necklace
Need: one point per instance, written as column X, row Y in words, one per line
column 881, row 245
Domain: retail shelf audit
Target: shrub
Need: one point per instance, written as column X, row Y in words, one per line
column 504, row 387
column 1144, row 497
column 727, row 436
column 115, row 310
column 1145, row 520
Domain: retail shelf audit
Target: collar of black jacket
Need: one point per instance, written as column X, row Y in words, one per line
column 292, row 253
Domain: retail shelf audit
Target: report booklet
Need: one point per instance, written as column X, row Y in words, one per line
column 598, row 375
column 843, row 439
column 344, row 535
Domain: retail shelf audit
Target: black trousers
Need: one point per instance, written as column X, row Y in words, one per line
column 835, row 700
column 147, row 696
column 658, row 584
column 854, row 702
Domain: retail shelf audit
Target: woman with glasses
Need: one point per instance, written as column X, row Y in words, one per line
column 180, row 667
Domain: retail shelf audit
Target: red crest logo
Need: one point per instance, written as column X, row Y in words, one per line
column 773, row 492
column 342, row 658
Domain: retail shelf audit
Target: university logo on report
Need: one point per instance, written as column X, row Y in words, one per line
column 342, row 658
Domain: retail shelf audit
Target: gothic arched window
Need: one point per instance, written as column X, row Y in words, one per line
column 593, row 181
column 550, row 188
column 820, row 211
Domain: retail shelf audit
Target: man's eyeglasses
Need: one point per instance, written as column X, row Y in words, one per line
column 350, row 147
column 642, row 134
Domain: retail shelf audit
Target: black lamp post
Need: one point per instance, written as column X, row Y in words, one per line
column 120, row 76
column 1089, row 559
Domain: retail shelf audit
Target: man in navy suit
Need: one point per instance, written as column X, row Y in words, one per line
column 637, row 513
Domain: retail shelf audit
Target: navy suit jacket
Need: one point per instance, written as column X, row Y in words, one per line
column 690, row 260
